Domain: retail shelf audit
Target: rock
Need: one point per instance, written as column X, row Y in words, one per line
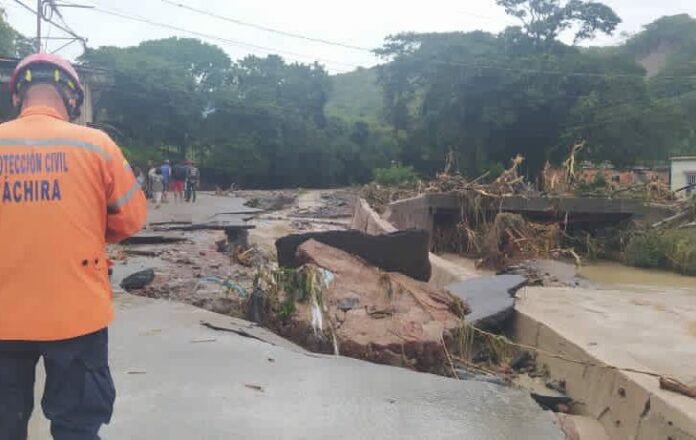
column 347, row 304
column 237, row 237
column 490, row 298
column 400, row 321
column 222, row 246
column 138, row 280
column 522, row 360
column 547, row 397
column 273, row 201
column 224, row 306
column 405, row 252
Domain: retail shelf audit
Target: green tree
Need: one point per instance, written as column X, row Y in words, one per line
column 160, row 91
column 545, row 20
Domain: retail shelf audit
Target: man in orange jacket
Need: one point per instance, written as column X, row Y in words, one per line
column 65, row 190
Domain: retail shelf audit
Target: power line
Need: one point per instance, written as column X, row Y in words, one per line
column 272, row 50
column 223, row 40
column 268, row 29
column 480, row 16
column 40, row 17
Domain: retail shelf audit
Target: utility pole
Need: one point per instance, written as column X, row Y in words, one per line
column 48, row 18
column 39, row 16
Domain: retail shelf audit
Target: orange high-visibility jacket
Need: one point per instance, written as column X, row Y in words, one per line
column 65, row 190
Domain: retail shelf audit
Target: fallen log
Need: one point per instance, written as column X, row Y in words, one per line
column 688, row 225
column 673, row 219
column 674, row 385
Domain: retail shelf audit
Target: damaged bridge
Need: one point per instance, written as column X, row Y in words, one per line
column 428, row 210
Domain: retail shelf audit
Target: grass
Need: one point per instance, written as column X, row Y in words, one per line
column 674, row 249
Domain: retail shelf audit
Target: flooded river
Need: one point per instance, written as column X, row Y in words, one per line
column 602, row 274
column 610, row 274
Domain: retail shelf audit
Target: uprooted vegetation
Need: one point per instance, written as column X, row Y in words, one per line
column 673, row 249
column 482, row 230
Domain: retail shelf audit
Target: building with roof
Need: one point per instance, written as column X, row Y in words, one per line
column 92, row 79
column 683, row 174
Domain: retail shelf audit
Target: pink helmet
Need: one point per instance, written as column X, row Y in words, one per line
column 52, row 69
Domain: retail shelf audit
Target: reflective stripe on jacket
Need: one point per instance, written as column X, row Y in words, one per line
column 65, row 190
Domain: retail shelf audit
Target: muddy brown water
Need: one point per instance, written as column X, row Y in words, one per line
column 612, row 274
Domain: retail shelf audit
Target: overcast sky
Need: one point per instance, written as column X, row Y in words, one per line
column 362, row 23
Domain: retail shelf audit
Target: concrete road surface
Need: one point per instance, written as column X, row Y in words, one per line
column 177, row 379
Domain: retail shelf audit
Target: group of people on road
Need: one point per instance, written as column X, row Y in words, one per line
column 181, row 180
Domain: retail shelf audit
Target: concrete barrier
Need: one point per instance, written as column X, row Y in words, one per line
column 365, row 219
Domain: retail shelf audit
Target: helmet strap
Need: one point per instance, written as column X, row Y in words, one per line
column 72, row 109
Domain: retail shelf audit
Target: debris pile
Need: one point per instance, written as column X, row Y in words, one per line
column 334, row 205
column 340, row 304
column 269, row 200
column 483, row 231
column 200, row 268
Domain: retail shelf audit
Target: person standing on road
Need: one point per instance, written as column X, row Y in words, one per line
column 67, row 190
column 157, row 187
column 179, row 172
column 140, row 177
column 192, row 179
column 166, row 178
column 148, row 183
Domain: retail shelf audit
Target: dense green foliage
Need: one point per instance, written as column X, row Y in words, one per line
column 12, row 43
column 255, row 122
column 489, row 97
column 356, row 96
column 395, row 175
column 485, row 97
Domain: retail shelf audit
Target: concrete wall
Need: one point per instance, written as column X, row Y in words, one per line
column 680, row 168
column 365, row 219
column 87, row 108
column 629, row 406
column 413, row 213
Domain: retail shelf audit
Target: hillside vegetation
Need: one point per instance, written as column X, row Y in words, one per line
column 477, row 97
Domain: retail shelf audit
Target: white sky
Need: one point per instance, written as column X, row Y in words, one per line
column 362, row 23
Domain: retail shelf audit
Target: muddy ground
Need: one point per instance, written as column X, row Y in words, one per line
column 207, row 268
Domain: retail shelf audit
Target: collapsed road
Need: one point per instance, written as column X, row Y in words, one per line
column 229, row 378
column 206, row 267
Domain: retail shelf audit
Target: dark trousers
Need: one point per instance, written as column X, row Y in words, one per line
column 79, row 394
column 190, row 193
